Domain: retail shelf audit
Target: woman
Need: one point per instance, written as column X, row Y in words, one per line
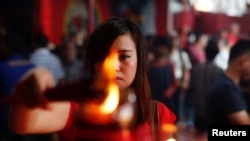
column 114, row 34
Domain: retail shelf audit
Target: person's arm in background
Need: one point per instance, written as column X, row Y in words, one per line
column 187, row 66
column 27, row 114
column 185, row 83
column 172, row 88
column 239, row 118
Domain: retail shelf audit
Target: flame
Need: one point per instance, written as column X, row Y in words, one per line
column 109, row 73
column 171, row 128
column 112, row 100
column 100, row 113
column 171, row 139
column 108, row 67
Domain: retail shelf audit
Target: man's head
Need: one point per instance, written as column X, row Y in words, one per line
column 162, row 46
column 240, row 58
column 211, row 50
column 41, row 40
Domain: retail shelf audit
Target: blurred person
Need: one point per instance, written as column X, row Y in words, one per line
column 221, row 59
column 202, row 76
column 197, row 55
column 233, row 34
column 182, row 66
column 149, row 45
column 196, row 50
column 43, row 57
column 118, row 35
column 13, row 65
column 72, row 65
column 233, row 109
column 185, row 36
column 161, row 73
column 222, row 38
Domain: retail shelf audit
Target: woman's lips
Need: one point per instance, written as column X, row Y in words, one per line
column 118, row 79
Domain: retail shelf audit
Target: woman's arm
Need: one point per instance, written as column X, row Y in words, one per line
column 24, row 120
column 239, row 118
column 30, row 113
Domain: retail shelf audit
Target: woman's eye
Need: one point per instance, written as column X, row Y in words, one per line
column 124, row 57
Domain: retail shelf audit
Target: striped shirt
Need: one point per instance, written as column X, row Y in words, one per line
column 42, row 57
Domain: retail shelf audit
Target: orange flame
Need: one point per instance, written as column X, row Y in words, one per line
column 94, row 111
column 171, row 128
column 108, row 67
column 108, row 72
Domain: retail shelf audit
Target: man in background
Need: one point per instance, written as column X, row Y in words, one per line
column 226, row 102
column 43, row 57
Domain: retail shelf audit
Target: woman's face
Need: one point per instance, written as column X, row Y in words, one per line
column 126, row 62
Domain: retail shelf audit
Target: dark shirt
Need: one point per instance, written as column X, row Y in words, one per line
column 224, row 97
column 160, row 79
column 11, row 71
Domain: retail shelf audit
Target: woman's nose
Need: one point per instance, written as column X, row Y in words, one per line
column 117, row 64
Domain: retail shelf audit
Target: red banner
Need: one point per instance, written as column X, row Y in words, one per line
column 57, row 18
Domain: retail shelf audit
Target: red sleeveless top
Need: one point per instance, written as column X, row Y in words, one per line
column 142, row 133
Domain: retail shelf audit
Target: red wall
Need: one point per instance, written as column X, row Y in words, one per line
column 49, row 16
column 212, row 23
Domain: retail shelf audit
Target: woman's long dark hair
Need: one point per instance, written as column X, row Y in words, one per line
column 98, row 47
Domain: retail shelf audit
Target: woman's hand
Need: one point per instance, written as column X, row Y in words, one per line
column 29, row 90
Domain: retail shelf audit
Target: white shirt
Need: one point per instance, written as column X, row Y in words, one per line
column 177, row 61
column 221, row 59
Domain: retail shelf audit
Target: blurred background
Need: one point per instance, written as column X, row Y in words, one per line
column 57, row 18
column 62, row 26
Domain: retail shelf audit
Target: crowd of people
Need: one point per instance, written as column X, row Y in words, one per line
column 180, row 79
